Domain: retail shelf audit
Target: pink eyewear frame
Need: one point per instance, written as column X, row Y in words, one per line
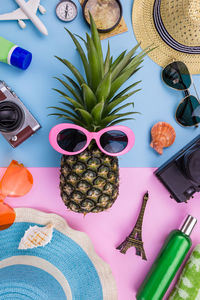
column 127, row 138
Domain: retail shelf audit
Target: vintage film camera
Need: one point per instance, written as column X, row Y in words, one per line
column 181, row 174
column 16, row 123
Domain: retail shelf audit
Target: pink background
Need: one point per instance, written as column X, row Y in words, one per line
column 108, row 229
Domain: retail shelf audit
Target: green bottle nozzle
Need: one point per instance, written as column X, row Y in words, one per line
column 188, row 225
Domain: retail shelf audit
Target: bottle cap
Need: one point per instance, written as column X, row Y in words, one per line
column 21, row 58
column 188, row 225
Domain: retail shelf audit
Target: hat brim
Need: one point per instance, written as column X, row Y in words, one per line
column 69, row 258
column 147, row 35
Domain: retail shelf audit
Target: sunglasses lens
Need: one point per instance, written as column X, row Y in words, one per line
column 114, row 141
column 177, row 76
column 17, row 181
column 71, row 140
column 7, row 216
column 188, row 112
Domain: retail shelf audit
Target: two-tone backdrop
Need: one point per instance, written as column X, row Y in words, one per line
column 155, row 102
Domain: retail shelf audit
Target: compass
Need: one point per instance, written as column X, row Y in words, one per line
column 66, row 10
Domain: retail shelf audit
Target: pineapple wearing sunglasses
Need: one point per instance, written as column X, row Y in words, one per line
column 89, row 180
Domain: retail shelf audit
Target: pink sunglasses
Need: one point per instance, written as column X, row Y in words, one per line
column 70, row 139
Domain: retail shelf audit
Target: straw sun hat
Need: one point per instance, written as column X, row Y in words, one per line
column 173, row 26
column 66, row 268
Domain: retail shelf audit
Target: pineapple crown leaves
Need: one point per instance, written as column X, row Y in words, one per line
column 93, row 103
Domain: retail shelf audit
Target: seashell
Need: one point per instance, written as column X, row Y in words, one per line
column 36, row 236
column 163, row 135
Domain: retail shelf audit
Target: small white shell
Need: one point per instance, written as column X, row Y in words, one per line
column 36, row 236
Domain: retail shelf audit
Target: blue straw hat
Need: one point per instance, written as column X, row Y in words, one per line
column 66, row 268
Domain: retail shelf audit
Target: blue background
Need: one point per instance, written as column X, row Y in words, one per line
column 34, row 86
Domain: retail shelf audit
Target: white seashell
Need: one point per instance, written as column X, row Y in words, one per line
column 36, row 236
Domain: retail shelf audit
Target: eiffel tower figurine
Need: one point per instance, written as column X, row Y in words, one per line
column 135, row 237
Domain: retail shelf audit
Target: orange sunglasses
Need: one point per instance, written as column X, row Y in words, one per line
column 16, row 182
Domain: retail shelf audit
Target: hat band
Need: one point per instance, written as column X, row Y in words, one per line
column 166, row 37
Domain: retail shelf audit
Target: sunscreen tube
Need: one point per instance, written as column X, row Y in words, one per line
column 13, row 55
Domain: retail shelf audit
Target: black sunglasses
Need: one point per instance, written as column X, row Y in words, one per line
column 177, row 76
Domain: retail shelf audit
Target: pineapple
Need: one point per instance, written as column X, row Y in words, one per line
column 89, row 181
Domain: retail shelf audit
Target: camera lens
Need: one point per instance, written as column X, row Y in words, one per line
column 192, row 164
column 11, row 116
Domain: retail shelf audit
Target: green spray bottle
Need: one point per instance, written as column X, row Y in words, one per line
column 14, row 55
column 167, row 262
